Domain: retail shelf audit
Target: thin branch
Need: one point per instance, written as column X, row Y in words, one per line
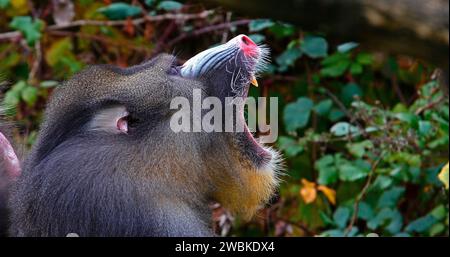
column 38, row 51
column 398, row 90
column 346, row 111
column 208, row 29
column 36, row 62
column 431, row 105
column 162, row 39
column 339, row 104
column 138, row 21
column 80, row 23
column 9, row 35
column 362, row 195
column 104, row 40
column 314, row 148
column 226, row 32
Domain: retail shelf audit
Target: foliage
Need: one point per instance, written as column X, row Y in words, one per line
column 118, row 11
column 364, row 134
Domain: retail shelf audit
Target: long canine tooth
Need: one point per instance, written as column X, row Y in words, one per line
column 254, row 82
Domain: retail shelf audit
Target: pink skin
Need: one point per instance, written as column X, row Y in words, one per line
column 10, row 161
column 248, row 46
column 122, row 124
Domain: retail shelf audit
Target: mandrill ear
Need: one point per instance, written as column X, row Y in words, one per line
column 112, row 120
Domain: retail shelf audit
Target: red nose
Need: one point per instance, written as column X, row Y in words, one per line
column 248, row 46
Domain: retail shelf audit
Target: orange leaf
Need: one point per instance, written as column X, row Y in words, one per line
column 329, row 193
column 308, row 191
column 148, row 31
column 129, row 27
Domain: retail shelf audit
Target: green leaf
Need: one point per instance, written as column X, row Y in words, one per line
column 327, row 220
column 411, row 119
column 30, row 95
column 4, row 4
column 350, row 172
column 425, row 128
column 258, row 25
column 72, row 63
column 421, row 225
column 364, row 58
column 335, row 58
column 324, row 107
column 341, row 129
column 257, row 38
column 400, row 107
column 282, row 30
column 392, row 219
column 119, row 11
column 391, row 197
column 336, row 114
column 359, row 149
column 19, row 86
column 353, row 232
column 296, row 115
column 328, row 173
column 437, row 229
column 439, row 212
column 150, row 2
column 341, row 217
column 58, row 48
column 365, row 211
column 382, row 182
column 347, row 47
column 396, row 223
column 289, row 57
column 8, row 62
column 335, row 65
column 169, row 6
column 19, row 91
column 12, row 97
column 30, row 29
column 315, row 47
column 336, row 70
column 290, row 146
column 356, row 69
column 334, row 233
column 10, row 102
column 413, row 160
column 349, row 92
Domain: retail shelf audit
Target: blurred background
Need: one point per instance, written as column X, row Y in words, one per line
column 362, row 86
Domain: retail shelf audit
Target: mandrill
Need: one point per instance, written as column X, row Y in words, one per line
column 107, row 163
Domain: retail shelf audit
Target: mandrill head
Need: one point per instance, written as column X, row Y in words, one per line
column 107, row 155
column 250, row 169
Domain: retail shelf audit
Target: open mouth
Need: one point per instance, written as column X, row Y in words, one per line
column 229, row 70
